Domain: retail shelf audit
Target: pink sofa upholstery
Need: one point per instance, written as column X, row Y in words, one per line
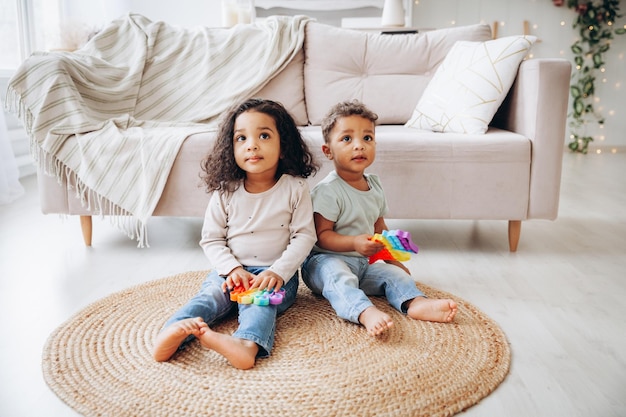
column 512, row 172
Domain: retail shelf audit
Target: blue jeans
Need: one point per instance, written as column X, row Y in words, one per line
column 256, row 323
column 346, row 281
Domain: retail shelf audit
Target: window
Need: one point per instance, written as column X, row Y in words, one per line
column 10, row 53
column 27, row 26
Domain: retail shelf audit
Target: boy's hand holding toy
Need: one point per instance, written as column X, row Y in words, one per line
column 398, row 246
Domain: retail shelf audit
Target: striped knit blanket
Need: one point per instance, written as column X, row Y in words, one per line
column 110, row 118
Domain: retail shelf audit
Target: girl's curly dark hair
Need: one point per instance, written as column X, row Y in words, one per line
column 345, row 109
column 221, row 172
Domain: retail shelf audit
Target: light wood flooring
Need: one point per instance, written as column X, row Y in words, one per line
column 560, row 299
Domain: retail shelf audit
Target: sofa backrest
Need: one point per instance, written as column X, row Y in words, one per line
column 287, row 87
column 386, row 72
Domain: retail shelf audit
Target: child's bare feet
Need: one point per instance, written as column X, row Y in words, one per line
column 375, row 321
column 442, row 311
column 170, row 338
column 241, row 353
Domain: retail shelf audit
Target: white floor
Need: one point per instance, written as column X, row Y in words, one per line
column 559, row 299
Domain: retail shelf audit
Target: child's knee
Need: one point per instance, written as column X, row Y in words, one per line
column 211, row 291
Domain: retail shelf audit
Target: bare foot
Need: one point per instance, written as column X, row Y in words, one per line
column 442, row 311
column 241, row 353
column 375, row 321
column 170, row 338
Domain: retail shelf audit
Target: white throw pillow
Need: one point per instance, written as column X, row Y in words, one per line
column 470, row 85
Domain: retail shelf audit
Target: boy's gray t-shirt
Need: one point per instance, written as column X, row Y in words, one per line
column 353, row 211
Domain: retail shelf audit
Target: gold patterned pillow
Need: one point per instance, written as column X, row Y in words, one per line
column 470, row 85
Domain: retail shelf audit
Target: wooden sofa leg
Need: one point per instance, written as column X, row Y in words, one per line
column 86, row 226
column 515, row 228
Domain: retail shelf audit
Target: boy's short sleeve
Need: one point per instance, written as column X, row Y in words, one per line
column 325, row 202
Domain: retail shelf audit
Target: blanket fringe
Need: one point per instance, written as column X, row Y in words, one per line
column 96, row 204
column 13, row 104
column 132, row 226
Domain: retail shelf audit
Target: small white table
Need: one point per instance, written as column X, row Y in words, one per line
column 372, row 24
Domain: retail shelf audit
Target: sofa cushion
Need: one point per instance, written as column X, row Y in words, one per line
column 428, row 175
column 470, row 85
column 386, row 72
column 287, row 87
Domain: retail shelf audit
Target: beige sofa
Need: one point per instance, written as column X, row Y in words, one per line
column 512, row 172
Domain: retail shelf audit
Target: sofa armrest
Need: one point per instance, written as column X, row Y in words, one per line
column 537, row 108
column 53, row 197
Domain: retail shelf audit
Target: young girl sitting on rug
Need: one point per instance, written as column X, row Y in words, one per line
column 258, row 229
column 349, row 207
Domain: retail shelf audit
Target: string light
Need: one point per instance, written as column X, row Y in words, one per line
column 581, row 122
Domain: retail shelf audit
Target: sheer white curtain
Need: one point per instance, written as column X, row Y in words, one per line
column 10, row 187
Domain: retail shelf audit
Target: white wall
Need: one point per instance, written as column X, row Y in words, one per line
column 181, row 12
column 185, row 13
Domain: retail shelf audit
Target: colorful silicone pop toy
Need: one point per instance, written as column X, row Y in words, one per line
column 398, row 246
column 256, row 296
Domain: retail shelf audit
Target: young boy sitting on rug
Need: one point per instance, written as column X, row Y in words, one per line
column 348, row 207
column 258, row 228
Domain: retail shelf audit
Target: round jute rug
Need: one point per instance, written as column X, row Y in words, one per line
column 99, row 362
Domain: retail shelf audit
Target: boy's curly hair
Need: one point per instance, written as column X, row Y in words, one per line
column 345, row 109
column 221, row 172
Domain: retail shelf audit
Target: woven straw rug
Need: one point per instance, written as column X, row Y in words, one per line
column 99, row 362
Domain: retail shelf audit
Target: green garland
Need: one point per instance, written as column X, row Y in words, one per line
column 595, row 21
